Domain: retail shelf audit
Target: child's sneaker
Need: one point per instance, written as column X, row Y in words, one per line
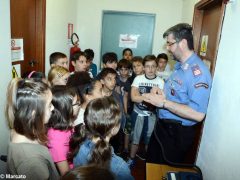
column 131, row 163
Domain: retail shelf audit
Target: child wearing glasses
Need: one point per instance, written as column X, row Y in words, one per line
column 66, row 104
column 144, row 114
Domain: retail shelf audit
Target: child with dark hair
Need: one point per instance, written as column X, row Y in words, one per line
column 91, row 67
column 28, row 109
column 137, row 67
column 110, row 60
column 162, row 70
column 58, row 59
column 79, row 61
column 124, row 68
column 108, row 78
column 35, row 75
column 90, row 142
column 89, row 173
column 144, row 114
column 127, row 54
column 66, row 104
column 89, row 91
column 79, row 79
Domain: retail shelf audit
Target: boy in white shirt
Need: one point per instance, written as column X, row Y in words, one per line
column 144, row 114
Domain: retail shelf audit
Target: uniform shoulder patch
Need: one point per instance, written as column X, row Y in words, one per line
column 196, row 70
column 205, row 85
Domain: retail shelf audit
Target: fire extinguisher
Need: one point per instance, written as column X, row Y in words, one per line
column 75, row 48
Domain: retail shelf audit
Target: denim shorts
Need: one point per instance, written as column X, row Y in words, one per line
column 142, row 127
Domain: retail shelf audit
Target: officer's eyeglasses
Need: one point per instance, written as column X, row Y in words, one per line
column 169, row 44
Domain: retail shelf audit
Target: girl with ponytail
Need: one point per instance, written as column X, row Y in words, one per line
column 89, row 144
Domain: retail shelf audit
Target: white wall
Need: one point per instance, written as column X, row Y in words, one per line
column 219, row 155
column 187, row 10
column 58, row 14
column 5, row 74
column 87, row 19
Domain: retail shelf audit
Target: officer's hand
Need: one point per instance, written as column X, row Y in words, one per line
column 156, row 90
column 155, row 99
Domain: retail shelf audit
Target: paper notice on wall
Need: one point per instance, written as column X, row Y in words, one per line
column 203, row 50
column 70, row 30
column 128, row 40
column 17, row 53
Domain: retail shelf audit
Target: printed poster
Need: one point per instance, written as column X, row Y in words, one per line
column 128, row 40
column 17, row 53
column 203, row 50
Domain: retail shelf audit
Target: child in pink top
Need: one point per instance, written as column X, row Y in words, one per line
column 66, row 104
column 59, row 144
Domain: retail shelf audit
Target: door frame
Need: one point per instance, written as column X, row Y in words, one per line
column 199, row 9
column 198, row 16
column 40, row 30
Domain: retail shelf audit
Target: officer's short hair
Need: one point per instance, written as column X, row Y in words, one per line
column 181, row 31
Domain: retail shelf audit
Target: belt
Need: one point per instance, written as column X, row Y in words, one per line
column 172, row 121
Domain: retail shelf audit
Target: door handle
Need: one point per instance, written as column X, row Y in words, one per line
column 32, row 63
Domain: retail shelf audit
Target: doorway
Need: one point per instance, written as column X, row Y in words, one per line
column 28, row 23
column 207, row 24
column 122, row 30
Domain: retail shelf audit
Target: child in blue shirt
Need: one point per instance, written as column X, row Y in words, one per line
column 91, row 67
column 102, row 121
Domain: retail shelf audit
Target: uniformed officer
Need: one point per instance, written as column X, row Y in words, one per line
column 183, row 103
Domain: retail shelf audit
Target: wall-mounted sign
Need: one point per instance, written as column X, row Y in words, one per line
column 14, row 72
column 70, row 30
column 17, row 53
column 128, row 40
column 203, row 50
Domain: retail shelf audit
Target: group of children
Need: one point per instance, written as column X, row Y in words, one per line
column 82, row 118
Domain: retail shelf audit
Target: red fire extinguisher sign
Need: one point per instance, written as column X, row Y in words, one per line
column 70, row 30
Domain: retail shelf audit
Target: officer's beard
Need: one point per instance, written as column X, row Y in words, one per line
column 173, row 57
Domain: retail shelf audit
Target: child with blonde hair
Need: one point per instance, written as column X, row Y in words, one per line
column 58, row 75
